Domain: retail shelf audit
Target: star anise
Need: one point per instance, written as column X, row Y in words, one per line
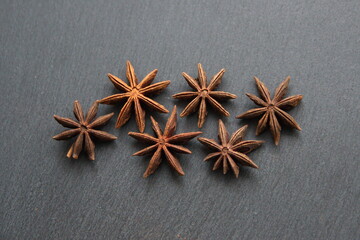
column 272, row 109
column 135, row 94
column 230, row 148
column 85, row 129
column 204, row 93
column 163, row 143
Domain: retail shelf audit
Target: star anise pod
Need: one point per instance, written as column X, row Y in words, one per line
column 231, row 148
column 204, row 93
column 135, row 94
column 84, row 128
column 272, row 109
column 163, row 144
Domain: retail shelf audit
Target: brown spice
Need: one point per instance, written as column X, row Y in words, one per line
column 163, row 144
column 85, row 129
column 230, row 148
column 272, row 109
column 204, row 93
column 135, row 94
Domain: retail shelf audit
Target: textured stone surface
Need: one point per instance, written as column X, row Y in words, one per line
column 54, row 52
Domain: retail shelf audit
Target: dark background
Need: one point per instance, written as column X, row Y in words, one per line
column 54, row 52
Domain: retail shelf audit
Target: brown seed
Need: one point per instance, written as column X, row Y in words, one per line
column 84, row 128
column 272, row 109
column 163, row 143
column 135, row 94
column 231, row 148
column 204, row 93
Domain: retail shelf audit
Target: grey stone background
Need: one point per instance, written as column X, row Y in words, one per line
column 54, row 52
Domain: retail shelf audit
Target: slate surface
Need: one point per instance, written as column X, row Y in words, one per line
column 54, row 52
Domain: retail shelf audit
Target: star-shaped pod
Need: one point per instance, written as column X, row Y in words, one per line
column 272, row 109
column 84, row 128
column 231, row 148
column 135, row 95
column 164, row 143
column 204, row 93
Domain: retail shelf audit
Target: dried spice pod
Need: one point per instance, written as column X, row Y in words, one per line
column 230, row 149
column 85, row 130
column 272, row 109
column 164, row 143
column 136, row 95
column 204, row 93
